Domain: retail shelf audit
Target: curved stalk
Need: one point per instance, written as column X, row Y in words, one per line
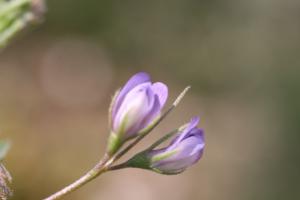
column 99, row 168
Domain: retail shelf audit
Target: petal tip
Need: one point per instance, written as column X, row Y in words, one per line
column 142, row 76
column 161, row 90
column 194, row 121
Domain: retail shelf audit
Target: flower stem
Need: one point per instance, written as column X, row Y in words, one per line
column 117, row 167
column 99, row 168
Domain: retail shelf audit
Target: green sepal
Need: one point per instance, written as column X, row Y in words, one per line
column 163, row 156
column 114, row 143
column 143, row 160
column 169, row 172
column 140, row 160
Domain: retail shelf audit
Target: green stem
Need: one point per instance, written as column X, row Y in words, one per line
column 99, row 169
column 117, row 167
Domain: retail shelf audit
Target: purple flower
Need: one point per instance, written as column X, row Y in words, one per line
column 137, row 104
column 185, row 150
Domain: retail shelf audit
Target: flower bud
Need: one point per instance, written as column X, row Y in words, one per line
column 184, row 150
column 135, row 107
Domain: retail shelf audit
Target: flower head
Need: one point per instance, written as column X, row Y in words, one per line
column 185, row 150
column 135, row 107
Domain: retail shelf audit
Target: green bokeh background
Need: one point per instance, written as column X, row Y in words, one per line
column 240, row 57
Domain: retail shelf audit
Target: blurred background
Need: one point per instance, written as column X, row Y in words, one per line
column 241, row 58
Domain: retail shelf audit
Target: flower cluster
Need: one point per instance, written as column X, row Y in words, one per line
column 134, row 111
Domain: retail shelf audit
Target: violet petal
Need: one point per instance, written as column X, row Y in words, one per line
column 135, row 80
